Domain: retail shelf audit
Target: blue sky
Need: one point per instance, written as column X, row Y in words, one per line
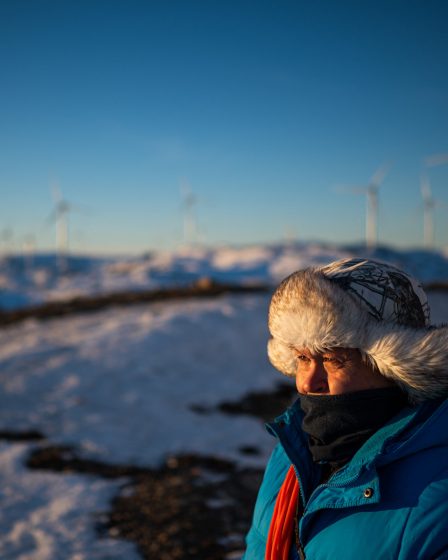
column 261, row 107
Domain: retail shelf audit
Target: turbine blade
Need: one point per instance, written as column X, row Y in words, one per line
column 379, row 175
column 350, row 189
column 436, row 159
column 52, row 217
column 79, row 208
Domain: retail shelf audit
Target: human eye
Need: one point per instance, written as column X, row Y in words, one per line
column 300, row 357
column 333, row 360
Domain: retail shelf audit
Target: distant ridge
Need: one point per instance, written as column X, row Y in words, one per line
column 203, row 288
column 38, row 281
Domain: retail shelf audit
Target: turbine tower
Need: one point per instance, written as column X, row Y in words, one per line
column 371, row 191
column 429, row 203
column 189, row 201
column 60, row 216
column 428, row 212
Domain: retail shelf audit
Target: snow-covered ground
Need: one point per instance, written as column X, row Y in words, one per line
column 46, row 516
column 25, row 281
column 120, row 383
column 119, row 386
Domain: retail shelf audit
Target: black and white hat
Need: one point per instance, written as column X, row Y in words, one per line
column 364, row 304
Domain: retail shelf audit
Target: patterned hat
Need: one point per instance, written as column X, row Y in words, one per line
column 386, row 292
column 363, row 304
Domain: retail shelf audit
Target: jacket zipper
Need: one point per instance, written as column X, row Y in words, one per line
column 300, row 502
column 298, row 542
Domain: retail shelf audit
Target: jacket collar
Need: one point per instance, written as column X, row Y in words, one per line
column 398, row 437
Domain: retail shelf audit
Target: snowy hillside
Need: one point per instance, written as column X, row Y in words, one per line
column 26, row 281
column 121, row 386
column 137, row 386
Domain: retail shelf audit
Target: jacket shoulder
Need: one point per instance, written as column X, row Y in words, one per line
column 426, row 533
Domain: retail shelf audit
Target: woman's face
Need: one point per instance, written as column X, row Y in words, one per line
column 337, row 371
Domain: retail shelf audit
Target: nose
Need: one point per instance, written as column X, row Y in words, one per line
column 312, row 379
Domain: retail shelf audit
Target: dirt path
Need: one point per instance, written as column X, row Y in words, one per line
column 203, row 288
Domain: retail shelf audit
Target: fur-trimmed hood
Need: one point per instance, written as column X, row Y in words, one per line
column 309, row 310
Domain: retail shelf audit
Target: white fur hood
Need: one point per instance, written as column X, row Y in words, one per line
column 310, row 311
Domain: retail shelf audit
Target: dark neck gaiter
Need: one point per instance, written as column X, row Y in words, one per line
column 337, row 425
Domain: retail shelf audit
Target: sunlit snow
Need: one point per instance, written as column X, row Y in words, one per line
column 26, row 280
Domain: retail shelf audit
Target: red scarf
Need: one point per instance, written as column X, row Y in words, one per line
column 281, row 530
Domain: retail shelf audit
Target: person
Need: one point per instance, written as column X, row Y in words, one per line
column 360, row 469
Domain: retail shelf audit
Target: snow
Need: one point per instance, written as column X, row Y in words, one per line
column 119, row 384
column 25, row 281
column 46, row 516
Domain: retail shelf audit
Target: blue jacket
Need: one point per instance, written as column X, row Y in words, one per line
column 389, row 502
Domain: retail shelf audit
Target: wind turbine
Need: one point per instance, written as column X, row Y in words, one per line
column 371, row 192
column 428, row 211
column 60, row 216
column 189, row 201
column 429, row 204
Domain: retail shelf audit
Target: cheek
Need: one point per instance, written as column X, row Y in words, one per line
column 345, row 380
column 357, row 379
column 338, row 385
